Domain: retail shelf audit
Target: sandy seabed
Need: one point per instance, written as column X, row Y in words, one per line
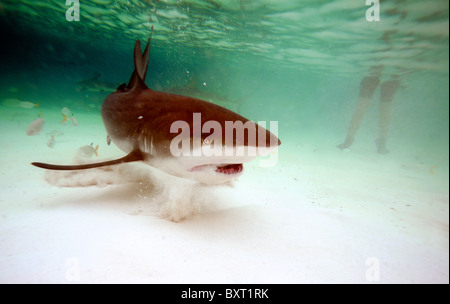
column 320, row 216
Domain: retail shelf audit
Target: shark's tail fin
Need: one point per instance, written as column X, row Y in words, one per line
column 135, row 155
column 137, row 80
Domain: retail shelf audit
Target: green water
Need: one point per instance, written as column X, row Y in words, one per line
column 296, row 62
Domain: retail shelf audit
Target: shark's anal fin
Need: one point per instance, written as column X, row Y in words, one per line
column 135, row 155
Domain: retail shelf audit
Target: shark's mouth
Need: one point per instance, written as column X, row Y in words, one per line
column 228, row 169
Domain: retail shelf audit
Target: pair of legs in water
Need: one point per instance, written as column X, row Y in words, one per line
column 367, row 90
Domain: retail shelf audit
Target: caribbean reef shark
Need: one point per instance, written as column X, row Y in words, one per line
column 144, row 123
column 94, row 84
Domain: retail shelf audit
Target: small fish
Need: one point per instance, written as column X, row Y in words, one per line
column 14, row 102
column 108, row 140
column 35, row 127
column 88, row 151
column 72, row 119
column 94, row 84
column 51, row 141
column 66, row 111
column 28, row 105
column 64, row 117
column 69, row 116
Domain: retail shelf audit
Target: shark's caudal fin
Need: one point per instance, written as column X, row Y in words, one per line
column 137, row 80
column 136, row 155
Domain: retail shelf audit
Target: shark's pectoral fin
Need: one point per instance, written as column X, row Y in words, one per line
column 135, row 155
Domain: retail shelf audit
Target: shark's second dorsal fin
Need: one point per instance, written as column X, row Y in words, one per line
column 140, row 65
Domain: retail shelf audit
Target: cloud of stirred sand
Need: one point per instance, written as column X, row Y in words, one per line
column 154, row 192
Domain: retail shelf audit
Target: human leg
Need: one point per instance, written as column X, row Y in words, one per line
column 388, row 90
column 367, row 89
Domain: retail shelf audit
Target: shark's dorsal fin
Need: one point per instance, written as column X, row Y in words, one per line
column 137, row 80
column 136, row 83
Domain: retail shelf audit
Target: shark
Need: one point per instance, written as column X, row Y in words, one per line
column 140, row 121
column 95, row 84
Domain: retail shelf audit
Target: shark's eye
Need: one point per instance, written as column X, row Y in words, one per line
column 206, row 141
